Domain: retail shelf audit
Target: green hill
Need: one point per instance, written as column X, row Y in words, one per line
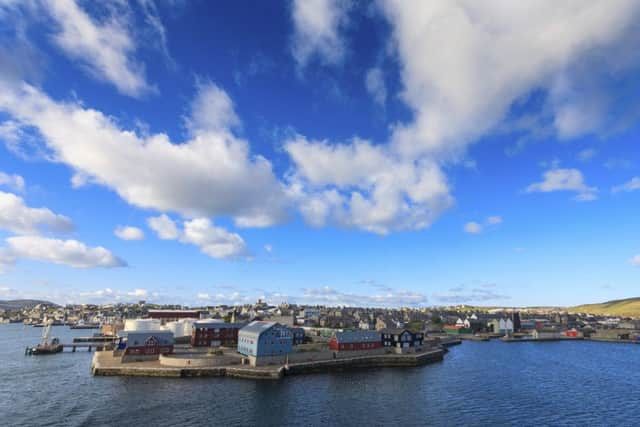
column 629, row 307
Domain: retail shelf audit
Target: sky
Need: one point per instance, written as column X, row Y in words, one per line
column 378, row 153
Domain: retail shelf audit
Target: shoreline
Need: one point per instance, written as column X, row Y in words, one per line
column 105, row 364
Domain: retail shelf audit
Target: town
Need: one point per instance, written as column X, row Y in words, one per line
column 267, row 341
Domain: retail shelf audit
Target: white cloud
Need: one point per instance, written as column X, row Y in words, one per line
column 632, row 185
column 472, row 228
column 129, row 233
column 211, row 174
column 463, row 295
column 317, row 27
column 67, row 252
column 587, row 154
column 388, row 298
column 382, row 194
column 17, row 217
column 494, row 220
column 374, row 82
column 138, row 293
column 105, row 48
column 268, row 248
column 564, row 180
column 635, row 261
column 213, row 241
column 465, row 63
column 14, row 182
column 164, row 227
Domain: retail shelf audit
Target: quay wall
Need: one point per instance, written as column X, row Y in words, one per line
column 106, row 365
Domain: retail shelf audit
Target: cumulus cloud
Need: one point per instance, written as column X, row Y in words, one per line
column 632, row 185
column 17, row 217
column 374, row 82
column 365, row 186
column 564, row 180
column 635, row 261
column 164, row 227
column 213, row 241
column 66, row 252
column 472, row 227
column 484, row 57
column 211, row 174
column 317, row 30
column 14, row 182
column 129, row 233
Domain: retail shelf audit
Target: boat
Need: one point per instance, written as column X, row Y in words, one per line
column 46, row 346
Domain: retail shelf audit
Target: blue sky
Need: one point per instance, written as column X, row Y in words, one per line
column 378, row 154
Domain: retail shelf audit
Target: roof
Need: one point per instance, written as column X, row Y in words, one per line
column 394, row 331
column 147, row 333
column 216, row 325
column 257, row 327
column 357, row 336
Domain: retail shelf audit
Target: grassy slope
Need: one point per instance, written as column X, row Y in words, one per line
column 629, row 307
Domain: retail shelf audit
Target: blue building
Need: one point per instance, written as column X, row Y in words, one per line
column 265, row 339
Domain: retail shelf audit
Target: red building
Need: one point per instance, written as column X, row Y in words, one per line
column 215, row 334
column 355, row 340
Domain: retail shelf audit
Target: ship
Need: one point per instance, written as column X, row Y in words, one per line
column 46, row 346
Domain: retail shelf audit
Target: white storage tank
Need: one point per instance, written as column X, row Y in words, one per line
column 142, row 325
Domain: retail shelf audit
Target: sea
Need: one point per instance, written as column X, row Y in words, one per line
column 478, row 384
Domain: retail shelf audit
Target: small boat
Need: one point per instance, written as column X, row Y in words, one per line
column 46, row 346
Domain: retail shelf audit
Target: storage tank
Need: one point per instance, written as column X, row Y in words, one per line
column 142, row 325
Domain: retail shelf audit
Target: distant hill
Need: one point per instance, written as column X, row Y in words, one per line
column 629, row 307
column 18, row 304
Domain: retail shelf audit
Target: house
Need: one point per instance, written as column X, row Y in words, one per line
column 355, row 340
column 265, row 342
column 298, row 335
column 401, row 339
column 144, row 345
column 215, row 334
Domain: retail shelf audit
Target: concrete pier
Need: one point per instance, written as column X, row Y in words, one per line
column 105, row 364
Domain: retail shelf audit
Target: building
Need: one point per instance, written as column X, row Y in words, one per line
column 355, row 340
column 173, row 315
column 298, row 335
column 401, row 338
column 144, row 345
column 215, row 334
column 265, row 342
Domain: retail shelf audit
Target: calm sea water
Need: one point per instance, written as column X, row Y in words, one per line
column 478, row 384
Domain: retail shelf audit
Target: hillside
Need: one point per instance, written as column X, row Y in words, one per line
column 18, row 304
column 629, row 307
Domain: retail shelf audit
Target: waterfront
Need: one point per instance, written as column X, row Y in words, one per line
column 479, row 383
